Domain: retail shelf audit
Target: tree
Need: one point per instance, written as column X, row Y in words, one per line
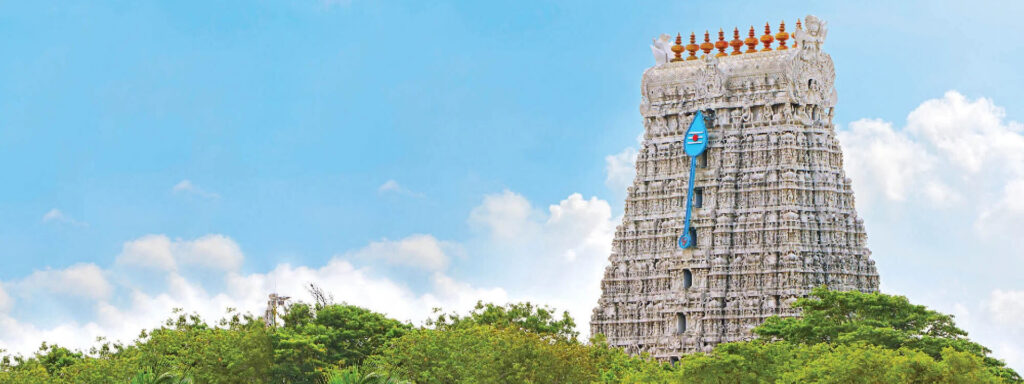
column 843, row 337
column 877, row 319
column 783, row 362
column 55, row 358
column 299, row 354
column 524, row 316
column 165, row 378
column 320, row 297
column 353, row 333
column 236, row 351
column 615, row 366
column 353, row 375
column 485, row 354
column 335, row 335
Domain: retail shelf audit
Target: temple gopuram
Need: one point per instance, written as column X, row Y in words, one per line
column 711, row 244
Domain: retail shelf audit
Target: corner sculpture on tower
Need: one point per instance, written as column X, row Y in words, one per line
column 712, row 244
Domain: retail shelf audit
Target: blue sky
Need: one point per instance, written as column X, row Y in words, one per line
column 409, row 154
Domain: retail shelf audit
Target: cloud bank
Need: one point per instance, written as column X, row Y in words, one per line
column 154, row 274
column 942, row 201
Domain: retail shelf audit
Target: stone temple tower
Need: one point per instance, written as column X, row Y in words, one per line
column 772, row 210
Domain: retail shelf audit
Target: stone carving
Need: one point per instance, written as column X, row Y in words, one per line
column 777, row 214
column 662, row 49
column 813, row 34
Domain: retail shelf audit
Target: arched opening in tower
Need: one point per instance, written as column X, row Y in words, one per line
column 680, row 323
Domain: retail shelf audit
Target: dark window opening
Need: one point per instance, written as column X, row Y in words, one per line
column 693, row 236
column 680, row 323
column 702, row 160
column 673, row 360
column 698, row 197
column 687, row 278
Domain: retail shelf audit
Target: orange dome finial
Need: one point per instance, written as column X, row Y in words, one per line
column 692, row 47
column 767, row 38
column 782, row 36
column 706, row 46
column 751, row 41
column 798, row 28
column 736, row 43
column 678, row 48
column 721, row 45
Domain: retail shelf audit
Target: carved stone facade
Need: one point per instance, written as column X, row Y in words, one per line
column 774, row 215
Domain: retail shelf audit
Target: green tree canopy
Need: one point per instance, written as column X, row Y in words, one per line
column 843, row 337
column 485, row 354
column 316, row 339
column 757, row 362
column 887, row 321
column 55, row 358
column 524, row 316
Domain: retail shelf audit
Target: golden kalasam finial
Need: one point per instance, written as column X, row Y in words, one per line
column 751, row 41
column 767, row 38
column 706, row 46
column 692, row 47
column 782, row 36
column 721, row 45
column 736, row 43
column 678, row 48
column 798, row 28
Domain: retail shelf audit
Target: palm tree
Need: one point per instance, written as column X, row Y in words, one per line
column 165, row 378
column 352, row 376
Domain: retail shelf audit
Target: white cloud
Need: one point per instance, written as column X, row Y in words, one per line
column 56, row 216
column 620, row 169
column 392, row 186
column 1007, row 308
column 971, row 134
column 953, row 153
column 505, row 216
column 1013, row 196
column 211, row 251
column 214, row 251
column 557, row 258
column 5, row 300
column 962, row 315
column 149, row 251
column 389, row 186
column 186, row 186
column 248, row 293
column 581, row 226
column 1001, row 220
column 880, row 157
column 1012, row 354
column 460, row 296
column 422, row 251
column 1004, row 311
column 79, row 280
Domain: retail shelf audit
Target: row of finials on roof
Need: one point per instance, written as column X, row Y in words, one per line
column 665, row 51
